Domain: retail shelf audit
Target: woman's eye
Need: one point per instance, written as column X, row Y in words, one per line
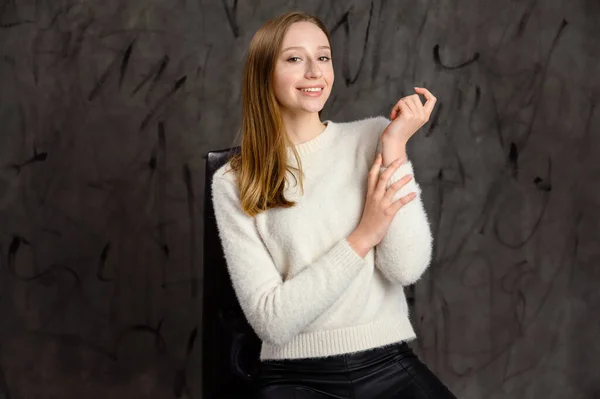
column 295, row 59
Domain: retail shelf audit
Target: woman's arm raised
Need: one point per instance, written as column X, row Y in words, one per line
column 405, row 251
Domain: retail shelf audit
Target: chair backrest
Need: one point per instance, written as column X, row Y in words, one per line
column 230, row 347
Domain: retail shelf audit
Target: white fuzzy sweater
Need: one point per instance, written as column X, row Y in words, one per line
column 303, row 289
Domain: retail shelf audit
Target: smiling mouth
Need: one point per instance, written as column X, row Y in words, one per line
column 312, row 89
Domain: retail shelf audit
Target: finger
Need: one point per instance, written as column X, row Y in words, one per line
column 385, row 176
column 430, row 99
column 402, row 108
column 374, row 173
column 395, row 110
column 409, row 104
column 400, row 202
column 417, row 107
column 393, row 189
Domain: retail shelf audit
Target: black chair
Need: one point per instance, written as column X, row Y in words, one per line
column 230, row 347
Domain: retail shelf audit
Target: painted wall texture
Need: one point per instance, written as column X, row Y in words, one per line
column 107, row 108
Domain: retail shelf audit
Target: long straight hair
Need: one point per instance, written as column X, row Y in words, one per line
column 261, row 165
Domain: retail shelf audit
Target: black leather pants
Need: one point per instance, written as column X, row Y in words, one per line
column 387, row 372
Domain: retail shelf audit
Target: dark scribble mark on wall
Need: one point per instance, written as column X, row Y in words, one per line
column 434, row 119
column 13, row 249
column 160, row 344
column 157, row 71
column 477, row 97
column 525, row 18
column 49, row 276
column 438, row 61
column 102, row 80
column 515, row 244
column 380, row 36
column 176, row 86
column 542, row 184
column 513, row 161
column 180, row 383
column 125, row 64
column 8, row 25
column 152, row 163
column 102, row 264
column 37, row 157
column 345, row 24
column 542, row 80
column 232, row 16
column 161, row 202
column 459, row 98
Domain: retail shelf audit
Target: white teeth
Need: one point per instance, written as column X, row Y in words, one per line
column 312, row 89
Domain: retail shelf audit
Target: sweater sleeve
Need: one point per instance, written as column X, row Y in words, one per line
column 405, row 251
column 276, row 309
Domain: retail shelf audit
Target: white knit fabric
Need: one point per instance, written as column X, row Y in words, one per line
column 301, row 286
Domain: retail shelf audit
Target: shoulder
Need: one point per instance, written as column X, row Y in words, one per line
column 224, row 180
column 224, row 172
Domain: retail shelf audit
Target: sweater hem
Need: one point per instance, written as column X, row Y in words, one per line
column 342, row 340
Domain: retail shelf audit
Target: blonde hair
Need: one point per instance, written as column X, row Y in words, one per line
column 261, row 166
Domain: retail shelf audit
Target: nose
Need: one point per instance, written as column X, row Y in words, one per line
column 313, row 70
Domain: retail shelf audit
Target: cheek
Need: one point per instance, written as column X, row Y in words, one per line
column 284, row 82
column 279, row 88
column 329, row 75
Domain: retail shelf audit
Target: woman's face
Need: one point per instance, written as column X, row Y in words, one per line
column 303, row 74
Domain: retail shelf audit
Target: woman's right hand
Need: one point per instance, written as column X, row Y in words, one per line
column 379, row 210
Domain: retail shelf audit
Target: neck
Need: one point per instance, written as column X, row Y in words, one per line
column 303, row 128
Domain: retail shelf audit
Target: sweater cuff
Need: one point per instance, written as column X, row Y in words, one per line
column 343, row 253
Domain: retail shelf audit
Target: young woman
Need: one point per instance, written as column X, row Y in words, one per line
column 320, row 231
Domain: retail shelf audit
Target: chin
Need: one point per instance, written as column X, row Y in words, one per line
column 312, row 110
column 299, row 109
column 313, row 106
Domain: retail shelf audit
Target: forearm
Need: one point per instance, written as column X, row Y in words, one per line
column 405, row 251
column 392, row 149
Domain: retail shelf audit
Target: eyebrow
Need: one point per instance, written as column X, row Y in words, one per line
column 300, row 48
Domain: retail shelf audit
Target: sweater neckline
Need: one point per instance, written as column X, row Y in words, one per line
column 321, row 141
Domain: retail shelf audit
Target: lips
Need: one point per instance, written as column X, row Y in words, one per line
column 311, row 90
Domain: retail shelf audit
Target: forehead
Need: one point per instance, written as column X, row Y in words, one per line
column 304, row 34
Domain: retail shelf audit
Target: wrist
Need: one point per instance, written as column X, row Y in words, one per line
column 393, row 148
column 393, row 138
column 359, row 243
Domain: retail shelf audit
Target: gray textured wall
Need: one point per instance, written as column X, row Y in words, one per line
column 108, row 106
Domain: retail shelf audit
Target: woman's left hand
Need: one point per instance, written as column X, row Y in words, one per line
column 408, row 115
